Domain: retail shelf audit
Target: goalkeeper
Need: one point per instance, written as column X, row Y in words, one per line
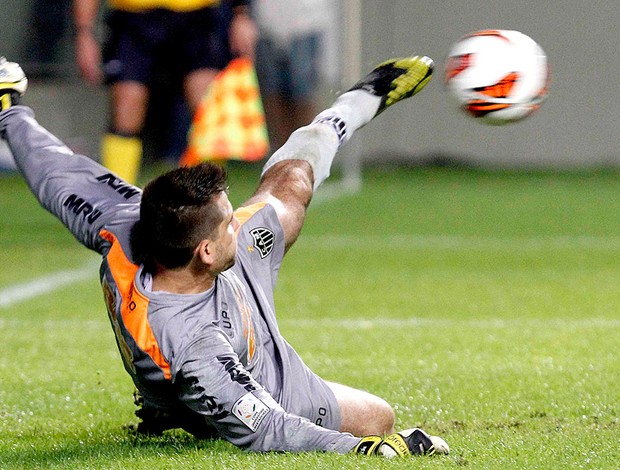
column 188, row 282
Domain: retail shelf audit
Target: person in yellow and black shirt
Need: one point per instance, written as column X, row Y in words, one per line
column 191, row 39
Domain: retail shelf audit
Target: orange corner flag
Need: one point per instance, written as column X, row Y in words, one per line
column 230, row 121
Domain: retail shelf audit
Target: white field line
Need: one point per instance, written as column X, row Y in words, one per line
column 449, row 242
column 58, row 324
column 21, row 292
column 330, row 192
column 354, row 323
column 360, row 324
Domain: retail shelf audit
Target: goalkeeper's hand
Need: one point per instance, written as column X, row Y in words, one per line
column 13, row 83
column 409, row 442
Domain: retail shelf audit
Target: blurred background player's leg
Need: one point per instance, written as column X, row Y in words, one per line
column 121, row 147
column 289, row 55
column 189, row 45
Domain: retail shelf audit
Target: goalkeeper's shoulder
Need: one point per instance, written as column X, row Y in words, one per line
column 413, row 441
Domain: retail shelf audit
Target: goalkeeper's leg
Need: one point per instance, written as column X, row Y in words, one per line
column 371, row 418
column 387, row 84
column 296, row 169
column 362, row 413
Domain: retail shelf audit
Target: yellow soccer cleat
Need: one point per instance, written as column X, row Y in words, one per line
column 397, row 79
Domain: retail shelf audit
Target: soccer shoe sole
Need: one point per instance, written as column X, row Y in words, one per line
column 397, row 79
column 12, row 77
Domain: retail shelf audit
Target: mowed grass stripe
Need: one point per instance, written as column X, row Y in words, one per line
column 14, row 294
column 17, row 293
column 483, row 307
column 451, row 242
column 355, row 323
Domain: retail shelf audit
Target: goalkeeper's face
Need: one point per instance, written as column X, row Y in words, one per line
column 223, row 238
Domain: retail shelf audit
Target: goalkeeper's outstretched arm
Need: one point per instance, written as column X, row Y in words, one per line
column 84, row 195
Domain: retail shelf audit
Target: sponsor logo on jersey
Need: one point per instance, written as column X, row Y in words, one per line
column 79, row 206
column 237, row 373
column 225, row 320
column 122, row 188
column 250, row 410
column 263, row 240
column 216, row 410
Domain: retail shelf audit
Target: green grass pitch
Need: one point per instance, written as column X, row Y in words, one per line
column 482, row 305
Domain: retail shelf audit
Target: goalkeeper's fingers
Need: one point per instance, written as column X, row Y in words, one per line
column 409, row 442
column 367, row 445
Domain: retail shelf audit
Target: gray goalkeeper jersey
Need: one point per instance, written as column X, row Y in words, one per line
column 217, row 355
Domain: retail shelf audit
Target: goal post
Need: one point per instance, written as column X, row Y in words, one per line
column 343, row 59
column 351, row 69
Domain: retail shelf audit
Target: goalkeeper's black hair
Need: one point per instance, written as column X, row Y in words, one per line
column 176, row 213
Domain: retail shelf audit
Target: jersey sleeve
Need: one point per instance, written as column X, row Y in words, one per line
column 260, row 244
column 243, row 413
column 84, row 195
